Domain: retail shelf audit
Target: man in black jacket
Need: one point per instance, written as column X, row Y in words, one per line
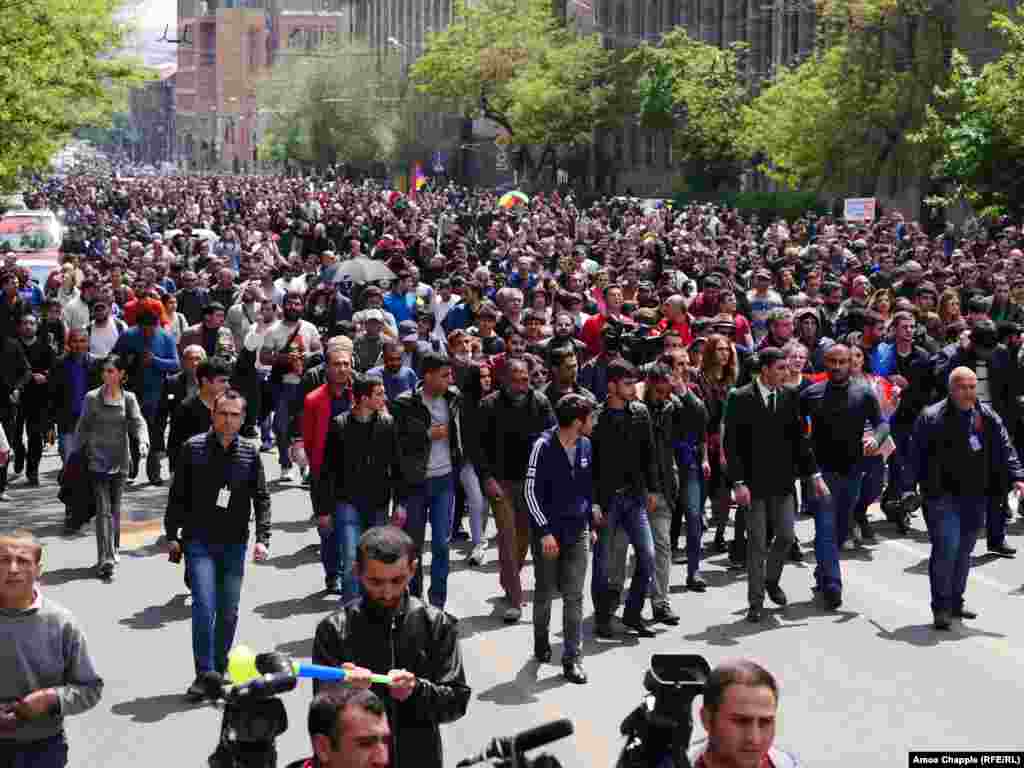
column 194, row 414
column 33, row 415
column 218, row 485
column 357, row 477
column 767, row 450
column 429, row 427
column 389, row 631
column 628, row 483
column 73, row 374
column 511, row 420
column 14, row 376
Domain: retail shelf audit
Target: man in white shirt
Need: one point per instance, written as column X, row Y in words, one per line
column 105, row 329
column 444, row 300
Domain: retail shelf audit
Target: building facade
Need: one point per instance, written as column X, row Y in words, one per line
column 151, row 110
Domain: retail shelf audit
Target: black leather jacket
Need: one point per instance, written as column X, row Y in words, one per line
column 412, row 425
column 418, row 638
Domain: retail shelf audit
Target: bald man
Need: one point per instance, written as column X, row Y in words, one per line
column 962, row 456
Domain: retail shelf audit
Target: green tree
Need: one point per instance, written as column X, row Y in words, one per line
column 516, row 63
column 698, row 92
column 840, row 119
column 58, row 73
column 336, row 104
column 974, row 132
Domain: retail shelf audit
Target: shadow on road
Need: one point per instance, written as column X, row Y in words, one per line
column 524, row 688
column 318, row 602
column 734, row 632
column 305, row 556
column 925, row 635
column 293, row 526
column 298, row 649
column 159, row 616
column 153, row 709
column 66, row 575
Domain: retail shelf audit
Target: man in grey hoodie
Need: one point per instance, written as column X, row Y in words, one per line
column 46, row 673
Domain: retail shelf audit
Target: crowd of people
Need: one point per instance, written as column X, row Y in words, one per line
column 595, row 379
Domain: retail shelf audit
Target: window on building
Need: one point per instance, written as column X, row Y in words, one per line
column 620, row 143
column 634, row 144
column 649, row 149
column 667, row 138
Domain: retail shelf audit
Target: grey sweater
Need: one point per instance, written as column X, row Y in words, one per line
column 44, row 647
column 104, row 427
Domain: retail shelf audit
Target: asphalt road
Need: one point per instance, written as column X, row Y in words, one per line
column 865, row 684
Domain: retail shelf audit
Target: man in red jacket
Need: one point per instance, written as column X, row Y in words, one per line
column 321, row 405
column 591, row 332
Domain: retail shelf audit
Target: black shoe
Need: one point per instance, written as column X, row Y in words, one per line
column 755, row 614
column 833, row 599
column 795, row 555
column 665, row 615
column 460, row 535
column 542, row 653
column 1002, row 550
column 106, row 572
column 867, row 533
column 333, row 585
column 572, row 671
column 696, row 584
column 638, row 625
column 159, row 481
column 206, row 686
column 775, row 593
column 720, row 544
column 32, row 481
column 19, row 466
column 604, row 630
column 943, row 620
column 737, row 566
column 963, row 612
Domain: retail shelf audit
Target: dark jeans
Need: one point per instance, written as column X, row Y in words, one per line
column 286, row 401
column 953, row 524
column 8, row 418
column 995, row 521
column 216, row 572
column 900, row 480
column 31, row 421
column 157, row 448
column 690, row 507
column 566, row 574
column 831, row 522
column 873, row 471
column 48, row 753
column 433, row 501
column 338, row 545
column 630, row 514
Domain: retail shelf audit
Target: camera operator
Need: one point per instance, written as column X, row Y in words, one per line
column 348, row 728
column 741, row 701
column 417, row 645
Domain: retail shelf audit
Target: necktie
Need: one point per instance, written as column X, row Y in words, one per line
column 771, row 401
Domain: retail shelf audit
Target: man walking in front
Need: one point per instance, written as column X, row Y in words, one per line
column 559, row 490
column 767, row 449
column 46, row 672
column 218, row 485
column 963, row 458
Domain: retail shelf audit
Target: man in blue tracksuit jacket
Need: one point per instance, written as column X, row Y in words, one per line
column 559, row 490
column 152, row 356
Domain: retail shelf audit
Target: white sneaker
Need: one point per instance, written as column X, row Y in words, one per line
column 512, row 614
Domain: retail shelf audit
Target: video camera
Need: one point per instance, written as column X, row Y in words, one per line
column 629, row 341
column 510, row 751
column 658, row 732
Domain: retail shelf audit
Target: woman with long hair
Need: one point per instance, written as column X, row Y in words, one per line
column 882, row 302
column 949, row 307
column 176, row 322
column 873, row 466
column 109, row 416
column 718, row 374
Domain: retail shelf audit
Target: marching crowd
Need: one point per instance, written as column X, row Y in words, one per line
column 595, row 379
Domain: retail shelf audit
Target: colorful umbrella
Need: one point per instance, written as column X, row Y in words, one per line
column 513, row 198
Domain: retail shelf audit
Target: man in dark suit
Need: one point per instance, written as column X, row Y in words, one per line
column 767, row 450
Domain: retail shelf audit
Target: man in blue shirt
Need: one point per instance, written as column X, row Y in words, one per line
column 397, row 378
column 559, row 491
column 155, row 357
column 400, row 302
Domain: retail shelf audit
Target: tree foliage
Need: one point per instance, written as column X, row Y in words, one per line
column 57, row 74
column 974, row 127
column 839, row 120
column 698, row 92
column 516, row 63
column 338, row 104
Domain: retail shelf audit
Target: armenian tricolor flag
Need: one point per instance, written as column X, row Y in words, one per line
column 418, row 180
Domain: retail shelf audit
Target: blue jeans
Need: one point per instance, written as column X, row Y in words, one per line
column 434, row 500
column 691, row 496
column 46, row 753
column 831, row 522
column 630, row 514
column 899, row 462
column 339, row 545
column 215, row 571
column 953, row 525
column 285, row 405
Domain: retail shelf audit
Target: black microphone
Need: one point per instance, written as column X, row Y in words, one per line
column 521, row 742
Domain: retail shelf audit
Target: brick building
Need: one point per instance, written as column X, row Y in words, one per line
column 151, row 112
